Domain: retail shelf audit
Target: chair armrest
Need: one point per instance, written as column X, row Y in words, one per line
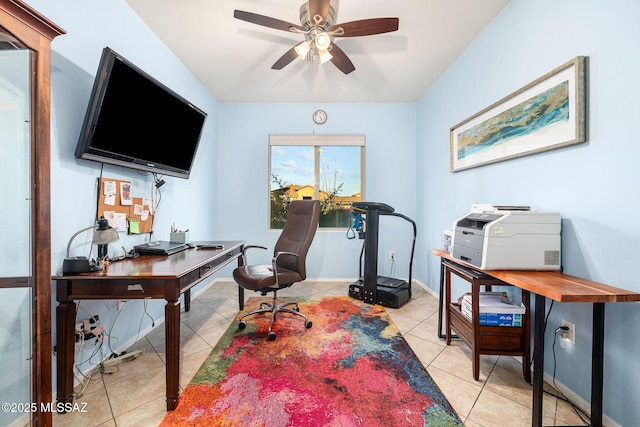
column 244, row 249
column 243, row 256
column 274, row 266
column 277, row 255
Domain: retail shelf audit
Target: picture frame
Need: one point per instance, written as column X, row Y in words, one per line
column 546, row 114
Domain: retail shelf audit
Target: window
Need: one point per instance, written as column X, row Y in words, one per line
column 329, row 168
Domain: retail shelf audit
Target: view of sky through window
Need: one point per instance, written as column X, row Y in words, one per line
column 294, row 165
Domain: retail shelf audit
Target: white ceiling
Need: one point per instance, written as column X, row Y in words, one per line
column 233, row 58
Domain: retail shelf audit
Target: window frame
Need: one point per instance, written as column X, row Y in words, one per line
column 317, row 142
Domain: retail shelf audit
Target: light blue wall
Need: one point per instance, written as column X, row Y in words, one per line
column 242, row 162
column 593, row 185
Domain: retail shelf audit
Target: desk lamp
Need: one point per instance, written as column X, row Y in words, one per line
column 102, row 236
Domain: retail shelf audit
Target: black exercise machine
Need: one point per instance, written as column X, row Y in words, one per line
column 371, row 288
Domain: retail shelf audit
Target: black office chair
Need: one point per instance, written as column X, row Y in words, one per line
column 288, row 264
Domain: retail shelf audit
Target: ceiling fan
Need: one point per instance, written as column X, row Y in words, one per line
column 317, row 19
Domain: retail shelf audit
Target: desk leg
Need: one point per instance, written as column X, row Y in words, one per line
column 172, row 337
column 538, row 361
column 475, row 308
column 447, row 309
column 526, row 357
column 441, row 301
column 65, row 324
column 597, row 364
column 187, row 300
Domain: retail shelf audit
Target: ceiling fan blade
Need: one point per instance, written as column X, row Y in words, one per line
column 341, row 60
column 367, row 27
column 265, row 21
column 286, row 59
column 319, row 7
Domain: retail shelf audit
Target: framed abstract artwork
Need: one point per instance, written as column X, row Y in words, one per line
column 546, row 114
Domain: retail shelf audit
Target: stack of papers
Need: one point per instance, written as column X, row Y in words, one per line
column 495, row 310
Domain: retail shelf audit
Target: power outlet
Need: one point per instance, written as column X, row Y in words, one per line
column 392, row 255
column 121, row 304
column 570, row 334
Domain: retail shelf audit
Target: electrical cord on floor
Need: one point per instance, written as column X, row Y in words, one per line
column 111, row 336
column 113, row 368
column 82, row 378
column 561, row 395
column 85, row 384
column 76, row 372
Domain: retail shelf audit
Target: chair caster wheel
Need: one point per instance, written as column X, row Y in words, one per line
column 271, row 336
column 308, row 324
column 242, row 324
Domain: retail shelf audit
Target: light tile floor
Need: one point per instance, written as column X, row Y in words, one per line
column 132, row 393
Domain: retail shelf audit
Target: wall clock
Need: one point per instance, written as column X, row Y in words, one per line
column 319, row 117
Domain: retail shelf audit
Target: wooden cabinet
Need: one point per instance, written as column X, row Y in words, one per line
column 496, row 340
column 25, row 34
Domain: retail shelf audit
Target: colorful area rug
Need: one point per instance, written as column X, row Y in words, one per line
column 352, row 368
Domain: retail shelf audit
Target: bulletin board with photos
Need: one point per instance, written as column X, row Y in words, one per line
column 124, row 212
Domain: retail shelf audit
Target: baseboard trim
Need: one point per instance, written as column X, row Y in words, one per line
column 577, row 400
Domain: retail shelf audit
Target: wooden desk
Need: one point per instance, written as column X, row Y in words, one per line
column 562, row 288
column 148, row 276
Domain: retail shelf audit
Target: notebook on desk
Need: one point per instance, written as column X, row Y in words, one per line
column 160, row 248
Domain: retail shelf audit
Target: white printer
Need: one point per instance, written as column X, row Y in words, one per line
column 508, row 238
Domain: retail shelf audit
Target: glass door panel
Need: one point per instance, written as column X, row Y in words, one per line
column 15, row 230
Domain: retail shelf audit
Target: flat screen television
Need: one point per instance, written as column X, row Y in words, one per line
column 135, row 121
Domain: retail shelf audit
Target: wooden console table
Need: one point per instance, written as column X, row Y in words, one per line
column 562, row 288
column 147, row 276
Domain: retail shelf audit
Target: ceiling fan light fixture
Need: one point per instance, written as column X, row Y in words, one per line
column 303, row 49
column 324, row 56
column 317, row 25
column 323, row 41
